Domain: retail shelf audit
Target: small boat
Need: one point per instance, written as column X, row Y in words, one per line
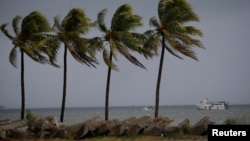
column 210, row 105
column 147, row 108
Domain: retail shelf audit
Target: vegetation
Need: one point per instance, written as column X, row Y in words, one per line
column 37, row 40
column 29, row 114
column 121, row 39
column 69, row 33
column 28, row 43
column 236, row 121
column 173, row 34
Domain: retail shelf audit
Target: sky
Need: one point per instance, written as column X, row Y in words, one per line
column 222, row 72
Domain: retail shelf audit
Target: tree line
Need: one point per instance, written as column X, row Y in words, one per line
column 36, row 38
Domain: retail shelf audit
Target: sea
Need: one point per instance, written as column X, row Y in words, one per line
column 76, row 115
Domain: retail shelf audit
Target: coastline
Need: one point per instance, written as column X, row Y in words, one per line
column 143, row 128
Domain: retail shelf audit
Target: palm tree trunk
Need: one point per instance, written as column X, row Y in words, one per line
column 157, row 98
column 107, row 90
column 22, row 86
column 64, row 84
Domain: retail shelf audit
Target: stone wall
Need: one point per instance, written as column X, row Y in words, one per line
column 50, row 127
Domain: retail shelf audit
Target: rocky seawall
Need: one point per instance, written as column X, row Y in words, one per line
column 49, row 127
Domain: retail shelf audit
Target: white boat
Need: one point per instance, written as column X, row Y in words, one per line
column 208, row 105
column 147, row 108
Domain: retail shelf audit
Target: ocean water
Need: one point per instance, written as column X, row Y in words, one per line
column 77, row 115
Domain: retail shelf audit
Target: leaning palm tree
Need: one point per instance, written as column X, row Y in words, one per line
column 120, row 39
column 172, row 31
column 82, row 49
column 26, row 41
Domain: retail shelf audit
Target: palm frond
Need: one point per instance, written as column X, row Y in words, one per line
column 174, row 16
column 28, row 47
column 80, row 56
column 161, row 8
column 15, row 25
column 172, row 51
column 100, row 20
column 107, row 61
column 113, row 48
column 152, row 42
column 125, row 52
column 154, row 22
column 34, row 23
column 178, row 10
column 95, row 43
column 57, row 24
column 185, row 50
column 193, row 31
column 128, row 40
column 34, row 55
column 124, row 19
column 6, row 33
column 76, row 20
column 51, row 47
column 13, row 56
column 82, row 47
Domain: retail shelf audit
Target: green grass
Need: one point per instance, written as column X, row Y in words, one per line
column 235, row 121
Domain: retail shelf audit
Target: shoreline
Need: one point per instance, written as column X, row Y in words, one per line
column 37, row 127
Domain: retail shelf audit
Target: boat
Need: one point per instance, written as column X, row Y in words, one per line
column 210, row 105
column 148, row 108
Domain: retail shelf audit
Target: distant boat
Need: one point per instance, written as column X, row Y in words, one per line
column 210, row 105
column 148, row 108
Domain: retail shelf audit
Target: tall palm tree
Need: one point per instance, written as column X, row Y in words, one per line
column 172, row 31
column 82, row 49
column 120, row 39
column 27, row 42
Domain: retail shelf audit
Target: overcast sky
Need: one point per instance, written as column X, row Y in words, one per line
column 222, row 72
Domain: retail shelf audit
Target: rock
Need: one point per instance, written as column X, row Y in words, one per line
column 13, row 124
column 138, row 125
column 2, row 134
column 89, row 128
column 111, row 123
column 152, row 130
column 61, row 133
column 17, row 133
column 127, row 124
column 81, row 132
column 43, row 127
column 177, row 126
column 50, row 123
column 4, row 121
column 200, row 128
column 102, row 129
column 145, row 121
column 134, row 130
column 114, row 127
column 15, row 129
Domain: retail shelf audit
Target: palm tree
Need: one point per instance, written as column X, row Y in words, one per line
column 27, row 42
column 176, row 35
column 121, row 39
column 82, row 49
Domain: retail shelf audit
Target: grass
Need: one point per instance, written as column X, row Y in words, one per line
column 235, row 121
